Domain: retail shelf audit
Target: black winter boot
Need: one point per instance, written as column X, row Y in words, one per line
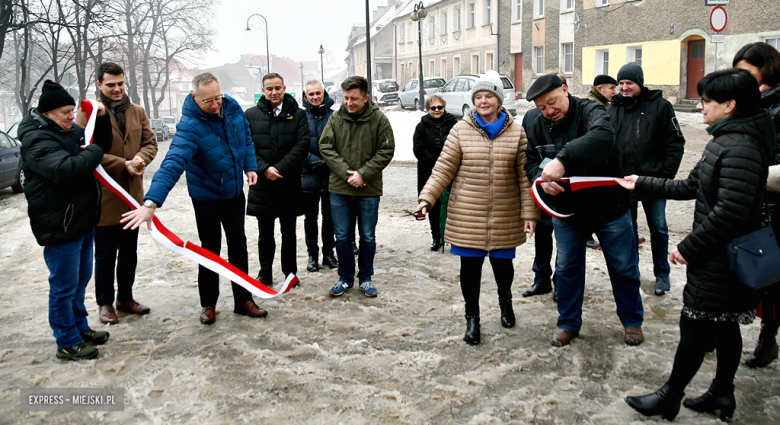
column 312, row 266
column 437, row 243
column 718, row 397
column 507, row 313
column 472, row 330
column 662, row 402
column 766, row 348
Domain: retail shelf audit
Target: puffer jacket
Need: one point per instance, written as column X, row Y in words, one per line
column 732, row 173
column 282, row 142
column 214, row 149
column 63, row 196
column 428, row 141
column 490, row 198
column 314, row 177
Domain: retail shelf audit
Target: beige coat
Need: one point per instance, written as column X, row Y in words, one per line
column 491, row 197
column 140, row 140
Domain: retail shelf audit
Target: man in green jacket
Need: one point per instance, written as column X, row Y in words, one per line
column 356, row 144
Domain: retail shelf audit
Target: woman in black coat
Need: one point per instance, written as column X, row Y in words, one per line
column 729, row 185
column 429, row 138
column 763, row 63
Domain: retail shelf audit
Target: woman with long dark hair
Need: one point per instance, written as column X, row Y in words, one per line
column 729, row 185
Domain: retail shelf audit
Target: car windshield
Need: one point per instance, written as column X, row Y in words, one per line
column 169, row 120
column 156, row 123
column 433, row 83
column 387, row 87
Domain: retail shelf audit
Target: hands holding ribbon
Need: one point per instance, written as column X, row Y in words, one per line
column 551, row 173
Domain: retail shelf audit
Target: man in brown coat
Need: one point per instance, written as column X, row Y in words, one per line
column 134, row 147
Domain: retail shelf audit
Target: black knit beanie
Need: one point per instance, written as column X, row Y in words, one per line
column 632, row 71
column 53, row 96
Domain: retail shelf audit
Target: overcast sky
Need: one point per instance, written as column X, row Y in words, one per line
column 296, row 28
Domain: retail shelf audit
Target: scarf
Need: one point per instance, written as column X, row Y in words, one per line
column 118, row 107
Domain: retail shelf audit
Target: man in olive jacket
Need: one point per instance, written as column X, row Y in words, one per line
column 357, row 144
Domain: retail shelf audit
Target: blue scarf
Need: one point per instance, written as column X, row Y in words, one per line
column 493, row 128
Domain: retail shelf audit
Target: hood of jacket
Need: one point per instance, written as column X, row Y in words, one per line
column 322, row 109
column 35, row 120
column 192, row 110
column 632, row 102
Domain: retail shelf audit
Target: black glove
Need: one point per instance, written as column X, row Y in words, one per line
column 103, row 136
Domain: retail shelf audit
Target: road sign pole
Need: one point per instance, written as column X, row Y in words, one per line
column 716, row 57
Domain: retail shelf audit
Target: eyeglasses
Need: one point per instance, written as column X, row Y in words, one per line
column 436, row 108
column 207, row 102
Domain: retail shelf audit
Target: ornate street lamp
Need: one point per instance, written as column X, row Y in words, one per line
column 267, row 51
column 418, row 15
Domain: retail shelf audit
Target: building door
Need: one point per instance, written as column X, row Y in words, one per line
column 695, row 67
column 519, row 72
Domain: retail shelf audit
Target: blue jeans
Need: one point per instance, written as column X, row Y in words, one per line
column 655, row 212
column 366, row 209
column 619, row 247
column 70, row 268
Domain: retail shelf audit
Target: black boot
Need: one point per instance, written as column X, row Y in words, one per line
column 472, row 330
column 313, row 266
column 507, row 313
column 330, row 261
column 766, row 348
column 436, row 244
column 662, row 402
column 555, row 293
column 538, row 288
column 718, row 397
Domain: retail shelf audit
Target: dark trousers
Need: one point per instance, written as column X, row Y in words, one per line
column 266, row 245
column 655, row 212
column 543, row 244
column 115, row 249
column 695, row 336
column 434, row 215
column 311, row 203
column 471, row 276
column 211, row 218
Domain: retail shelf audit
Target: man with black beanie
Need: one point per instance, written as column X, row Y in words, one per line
column 63, row 203
column 650, row 143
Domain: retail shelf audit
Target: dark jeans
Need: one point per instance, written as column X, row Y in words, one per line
column 655, row 212
column 115, row 249
column 695, row 336
column 266, row 245
column 211, row 217
column 366, row 209
column 543, row 244
column 434, row 215
column 70, row 268
column 619, row 247
column 471, row 277
column 312, row 209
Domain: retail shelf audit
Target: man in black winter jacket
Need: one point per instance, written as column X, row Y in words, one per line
column 650, row 144
column 63, row 203
column 280, row 131
column 574, row 138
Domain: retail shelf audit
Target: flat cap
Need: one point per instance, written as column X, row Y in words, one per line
column 603, row 79
column 542, row 85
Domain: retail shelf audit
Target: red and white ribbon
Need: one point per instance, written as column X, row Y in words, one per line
column 165, row 237
column 575, row 183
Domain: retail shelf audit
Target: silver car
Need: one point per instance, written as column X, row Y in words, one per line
column 410, row 94
column 457, row 93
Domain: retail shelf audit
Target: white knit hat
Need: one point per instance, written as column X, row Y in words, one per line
column 491, row 82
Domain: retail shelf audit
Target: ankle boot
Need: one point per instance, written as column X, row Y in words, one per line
column 472, row 330
column 507, row 313
column 766, row 348
column 718, row 397
column 662, row 402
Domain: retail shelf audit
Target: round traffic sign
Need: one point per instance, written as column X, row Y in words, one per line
column 718, row 18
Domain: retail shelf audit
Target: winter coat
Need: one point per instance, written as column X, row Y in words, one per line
column 732, row 172
column 138, row 140
column 584, row 142
column 429, row 137
column 281, row 142
column 770, row 100
column 490, row 198
column 63, row 196
column 595, row 95
column 648, row 136
column 214, row 149
column 314, row 178
column 361, row 142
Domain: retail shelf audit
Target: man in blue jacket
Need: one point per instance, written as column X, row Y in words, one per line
column 213, row 144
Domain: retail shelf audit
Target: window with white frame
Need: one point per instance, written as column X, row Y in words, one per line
column 774, row 42
column 488, row 62
column 567, row 5
column 602, row 62
column 443, row 23
column 456, row 19
column 602, row 3
column 475, row 63
column 538, row 59
column 634, row 54
column 402, row 34
column 538, row 9
column 567, row 50
column 471, row 16
column 455, row 66
column 443, row 68
column 517, row 10
column 411, row 33
column 488, row 18
column 431, row 26
column 431, row 68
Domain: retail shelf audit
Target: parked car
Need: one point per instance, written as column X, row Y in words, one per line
column 160, row 129
column 13, row 131
column 384, row 92
column 337, row 94
column 457, row 93
column 410, row 94
column 11, row 164
column 170, row 122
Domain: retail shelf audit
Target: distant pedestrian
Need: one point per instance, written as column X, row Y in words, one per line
column 604, row 87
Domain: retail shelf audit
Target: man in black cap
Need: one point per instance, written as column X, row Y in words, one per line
column 604, row 87
column 650, row 143
column 63, row 203
column 575, row 138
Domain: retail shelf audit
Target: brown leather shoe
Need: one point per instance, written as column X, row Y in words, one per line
column 108, row 315
column 132, row 307
column 208, row 315
column 250, row 309
column 633, row 335
column 563, row 337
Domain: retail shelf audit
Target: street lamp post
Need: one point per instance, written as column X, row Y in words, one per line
column 303, row 88
column 322, row 65
column 267, row 51
column 418, row 15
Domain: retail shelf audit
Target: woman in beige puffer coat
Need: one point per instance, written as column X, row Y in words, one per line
column 490, row 208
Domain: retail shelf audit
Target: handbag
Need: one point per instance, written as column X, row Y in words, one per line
column 755, row 257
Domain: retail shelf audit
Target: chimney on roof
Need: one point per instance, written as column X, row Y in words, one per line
column 380, row 10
